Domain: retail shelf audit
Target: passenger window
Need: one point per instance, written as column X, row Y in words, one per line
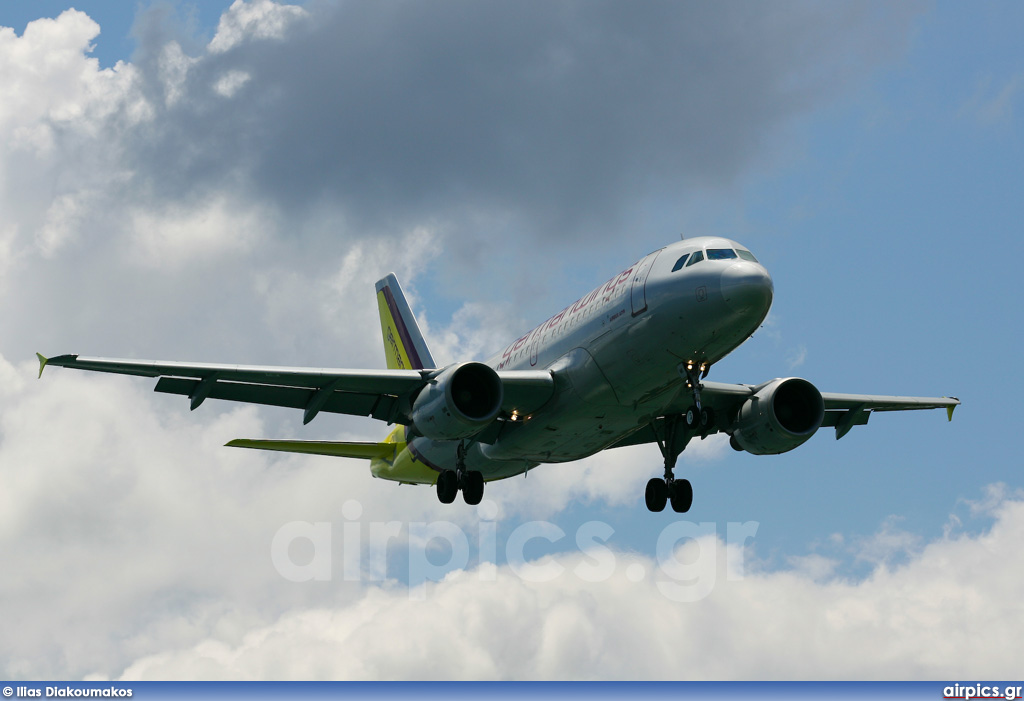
column 680, row 262
column 721, row 253
column 746, row 255
column 695, row 258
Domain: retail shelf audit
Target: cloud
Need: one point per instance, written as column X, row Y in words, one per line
column 797, row 357
column 147, row 545
column 399, row 110
column 551, row 118
column 128, row 526
column 993, row 103
column 950, row 611
column 201, row 174
column 209, row 230
column 254, row 20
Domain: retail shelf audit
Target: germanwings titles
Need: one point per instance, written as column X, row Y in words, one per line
column 624, row 365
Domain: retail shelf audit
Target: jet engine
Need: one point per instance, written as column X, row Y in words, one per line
column 779, row 417
column 458, row 403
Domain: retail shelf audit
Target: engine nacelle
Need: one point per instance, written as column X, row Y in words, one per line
column 458, row 403
column 780, row 417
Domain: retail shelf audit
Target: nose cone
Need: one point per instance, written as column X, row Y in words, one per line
column 747, row 287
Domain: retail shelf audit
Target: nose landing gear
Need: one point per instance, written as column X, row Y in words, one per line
column 699, row 419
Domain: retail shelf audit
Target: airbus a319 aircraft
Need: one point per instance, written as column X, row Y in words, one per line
column 623, row 365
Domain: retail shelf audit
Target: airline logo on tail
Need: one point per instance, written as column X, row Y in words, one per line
column 404, row 346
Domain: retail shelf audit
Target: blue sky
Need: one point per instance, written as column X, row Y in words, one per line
column 117, row 41
column 869, row 155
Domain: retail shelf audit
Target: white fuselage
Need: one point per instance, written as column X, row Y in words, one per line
column 616, row 354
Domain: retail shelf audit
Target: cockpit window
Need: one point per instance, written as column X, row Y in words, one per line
column 746, row 255
column 721, row 253
column 680, row 262
column 695, row 258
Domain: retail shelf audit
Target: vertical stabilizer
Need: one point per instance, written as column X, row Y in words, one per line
column 404, row 346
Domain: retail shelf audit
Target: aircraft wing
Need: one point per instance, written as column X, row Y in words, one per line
column 842, row 411
column 877, row 402
column 382, row 394
column 724, row 395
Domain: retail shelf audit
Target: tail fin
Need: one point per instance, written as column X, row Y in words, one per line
column 404, row 346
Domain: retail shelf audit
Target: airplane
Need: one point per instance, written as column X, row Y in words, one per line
column 623, row 365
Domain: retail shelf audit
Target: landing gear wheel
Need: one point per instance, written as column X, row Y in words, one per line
column 473, row 489
column 672, row 436
column 707, row 421
column 681, row 495
column 656, row 495
column 447, row 486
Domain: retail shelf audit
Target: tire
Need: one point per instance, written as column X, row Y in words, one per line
column 692, row 417
column 707, row 419
column 681, row 495
column 473, row 490
column 656, row 494
column 447, row 486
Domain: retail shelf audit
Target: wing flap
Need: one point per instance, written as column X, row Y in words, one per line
column 641, row 436
column 834, row 418
column 379, row 406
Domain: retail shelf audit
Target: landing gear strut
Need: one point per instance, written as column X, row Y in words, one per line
column 450, row 482
column 678, row 430
column 699, row 419
column 668, row 489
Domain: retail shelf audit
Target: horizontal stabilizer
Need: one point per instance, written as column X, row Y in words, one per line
column 366, row 451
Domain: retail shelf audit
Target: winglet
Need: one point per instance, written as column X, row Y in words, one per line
column 42, row 363
column 950, row 408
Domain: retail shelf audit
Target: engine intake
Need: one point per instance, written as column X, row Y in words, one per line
column 780, row 417
column 458, row 403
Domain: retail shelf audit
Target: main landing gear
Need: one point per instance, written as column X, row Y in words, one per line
column 678, row 429
column 450, row 482
column 678, row 492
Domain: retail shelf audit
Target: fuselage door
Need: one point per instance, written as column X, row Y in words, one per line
column 638, row 293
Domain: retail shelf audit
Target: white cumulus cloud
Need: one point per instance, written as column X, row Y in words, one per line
column 951, row 611
column 257, row 19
